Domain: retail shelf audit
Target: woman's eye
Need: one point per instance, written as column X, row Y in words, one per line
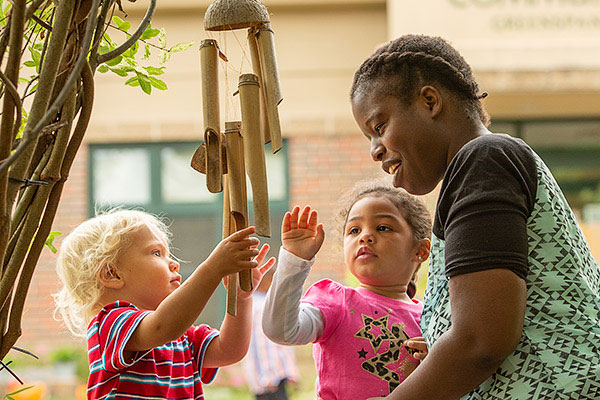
column 156, row 253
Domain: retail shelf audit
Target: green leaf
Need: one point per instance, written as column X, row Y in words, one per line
column 157, row 83
column 121, row 25
column 145, row 83
column 146, row 51
column 30, row 64
column 114, row 61
column 50, row 240
column 133, row 81
column 164, row 56
column 154, row 70
column 162, row 38
column 181, row 46
column 149, row 33
column 120, row 70
column 102, row 69
column 130, row 52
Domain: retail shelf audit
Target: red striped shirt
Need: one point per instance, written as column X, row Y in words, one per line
column 171, row 371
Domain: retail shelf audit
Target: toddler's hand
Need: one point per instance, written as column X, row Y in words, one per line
column 300, row 233
column 235, row 253
column 417, row 347
column 257, row 273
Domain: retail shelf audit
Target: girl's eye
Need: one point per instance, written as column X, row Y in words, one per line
column 382, row 228
column 353, row 231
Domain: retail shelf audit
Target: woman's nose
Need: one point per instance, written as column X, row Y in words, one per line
column 377, row 150
column 174, row 266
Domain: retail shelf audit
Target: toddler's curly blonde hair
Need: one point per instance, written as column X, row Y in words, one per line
column 91, row 246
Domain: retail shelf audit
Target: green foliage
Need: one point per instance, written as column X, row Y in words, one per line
column 50, row 241
column 9, row 396
column 129, row 65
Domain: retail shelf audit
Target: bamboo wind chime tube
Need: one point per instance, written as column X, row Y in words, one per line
column 209, row 55
column 255, row 58
column 270, row 76
column 254, row 153
column 228, row 229
column 238, row 200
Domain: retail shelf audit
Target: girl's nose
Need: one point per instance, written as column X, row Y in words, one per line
column 174, row 266
column 377, row 150
column 366, row 237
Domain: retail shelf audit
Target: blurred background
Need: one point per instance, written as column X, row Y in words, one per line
column 539, row 60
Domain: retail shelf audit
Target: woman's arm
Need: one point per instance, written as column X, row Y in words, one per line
column 285, row 319
column 488, row 309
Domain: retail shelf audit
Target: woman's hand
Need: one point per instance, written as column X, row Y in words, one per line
column 417, row 347
column 301, row 234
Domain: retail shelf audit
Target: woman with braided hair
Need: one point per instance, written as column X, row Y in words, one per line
column 512, row 303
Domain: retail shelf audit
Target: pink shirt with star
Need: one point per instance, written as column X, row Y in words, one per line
column 360, row 353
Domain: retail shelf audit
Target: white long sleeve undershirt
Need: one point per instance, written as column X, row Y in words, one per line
column 285, row 319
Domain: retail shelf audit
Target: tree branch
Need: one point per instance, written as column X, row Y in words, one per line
column 63, row 16
column 132, row 39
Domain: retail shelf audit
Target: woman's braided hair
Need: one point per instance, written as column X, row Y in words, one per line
column 411, row 61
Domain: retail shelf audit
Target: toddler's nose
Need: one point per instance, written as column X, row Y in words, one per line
column 366, row 237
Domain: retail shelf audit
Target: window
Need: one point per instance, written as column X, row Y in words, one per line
column 571, row 149
column 157, row 177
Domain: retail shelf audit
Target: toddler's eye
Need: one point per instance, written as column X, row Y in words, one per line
column 382, row 228
column 353, row 231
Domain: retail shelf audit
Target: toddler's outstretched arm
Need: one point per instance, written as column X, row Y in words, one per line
column 234, row 339
column 285, row 319
column 178, row 311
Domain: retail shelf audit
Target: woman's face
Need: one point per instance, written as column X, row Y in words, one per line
column 403, row 139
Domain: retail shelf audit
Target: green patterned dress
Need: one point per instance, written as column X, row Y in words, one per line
column 558, row 355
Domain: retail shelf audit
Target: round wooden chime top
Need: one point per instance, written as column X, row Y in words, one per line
column 226, row 15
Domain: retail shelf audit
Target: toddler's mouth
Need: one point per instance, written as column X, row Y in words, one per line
column 364, row 252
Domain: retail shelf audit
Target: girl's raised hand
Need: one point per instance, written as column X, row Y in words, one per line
column 301, row 234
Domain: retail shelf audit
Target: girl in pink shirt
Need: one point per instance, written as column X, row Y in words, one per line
column 359, row 334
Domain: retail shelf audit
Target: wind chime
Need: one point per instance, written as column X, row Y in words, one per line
column 236, row 148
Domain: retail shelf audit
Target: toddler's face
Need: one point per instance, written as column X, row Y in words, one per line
column 148, row 272
column 379, row 246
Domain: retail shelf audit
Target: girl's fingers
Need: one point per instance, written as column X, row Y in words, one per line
column 285, row 224
column 268, row 265
column 294, row 219
column 303, row 223
column 312, row 221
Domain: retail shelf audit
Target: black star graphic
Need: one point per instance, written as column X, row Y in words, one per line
column 362, row 353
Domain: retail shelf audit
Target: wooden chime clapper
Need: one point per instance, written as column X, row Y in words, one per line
column 239, row 150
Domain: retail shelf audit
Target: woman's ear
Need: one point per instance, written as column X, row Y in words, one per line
column 431, row 98
column 423, row 250
column 109, row 277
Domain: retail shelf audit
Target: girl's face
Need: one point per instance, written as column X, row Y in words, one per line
column 146, row 268
column 402, row 139
column 379, row 246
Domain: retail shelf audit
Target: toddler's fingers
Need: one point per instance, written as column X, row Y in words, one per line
column 268, row 265
column 241, row 234
column 262, row 253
